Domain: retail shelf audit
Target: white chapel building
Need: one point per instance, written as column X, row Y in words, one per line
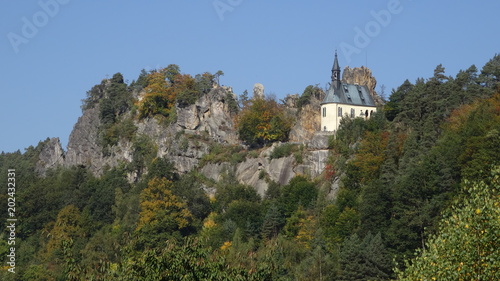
column 344, row 101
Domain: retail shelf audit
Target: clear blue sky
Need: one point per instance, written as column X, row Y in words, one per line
column 54, row 51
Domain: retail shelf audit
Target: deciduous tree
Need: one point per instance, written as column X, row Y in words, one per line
column 466, row 246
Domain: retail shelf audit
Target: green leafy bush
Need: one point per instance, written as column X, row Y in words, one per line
column 220, row 153
column 466, row 246
column 287, row 149
column 281, row 151
column 309, row 92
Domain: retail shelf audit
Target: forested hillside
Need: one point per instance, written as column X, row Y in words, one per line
column 411, row 193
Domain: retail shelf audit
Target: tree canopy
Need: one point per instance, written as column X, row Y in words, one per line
column 409, row 194
column 263, row 121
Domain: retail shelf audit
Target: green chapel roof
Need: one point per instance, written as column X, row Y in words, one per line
column 349, row 94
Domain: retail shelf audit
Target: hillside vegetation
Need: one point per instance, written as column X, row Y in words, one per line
column 409, row 194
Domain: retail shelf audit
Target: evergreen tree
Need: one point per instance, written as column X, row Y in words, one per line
column 274, row 220
column 490, row 74
column 364, row 259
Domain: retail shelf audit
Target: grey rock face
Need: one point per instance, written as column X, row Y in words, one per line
column 215, row 116
column 184, row 142
column 308, row 119
column 210, row 117
column 83, row 144
column 215, row 171
column 51, row 156
column 308, row 123
column 188, row 117
column 258, row 91
column 291, row 100
column 316, row 161
column 255, row 171
column 319, row 140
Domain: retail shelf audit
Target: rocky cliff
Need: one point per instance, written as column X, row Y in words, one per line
column 189, row 140
column 362, row 76
column 51, row 156
column 308, row 120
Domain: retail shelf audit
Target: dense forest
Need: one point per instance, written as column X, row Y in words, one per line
column 418, row 194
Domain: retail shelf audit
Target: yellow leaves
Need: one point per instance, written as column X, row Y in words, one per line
column 370, row 155
column 226, row 245
column 113, row 267
column 159, row 207
column 468, row 245
column 161, row 94
column 156, row 98
column 209, row 221
column 4, row 268
column 156, row 83
column 306, row 231
column 66, row 228
column 460, row 115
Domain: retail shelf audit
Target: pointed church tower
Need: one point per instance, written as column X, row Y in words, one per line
column 336, row 73
column 344, row 100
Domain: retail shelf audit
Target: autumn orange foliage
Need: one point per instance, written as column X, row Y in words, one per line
column 161, row 94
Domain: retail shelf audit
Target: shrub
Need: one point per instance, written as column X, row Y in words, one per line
column 281, row 151
column 287, row 149
column 222, row 153
column 309, row 92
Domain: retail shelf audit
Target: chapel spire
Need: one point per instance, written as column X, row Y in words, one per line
column 336, row 72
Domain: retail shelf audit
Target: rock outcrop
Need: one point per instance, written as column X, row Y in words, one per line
column 83, row 144
column 362, row 76
column 216, row 117
column 308, row 123
column 185, row 141
column 51, row 156
column 308, row 116
column 258, row 171
column 258, row 91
